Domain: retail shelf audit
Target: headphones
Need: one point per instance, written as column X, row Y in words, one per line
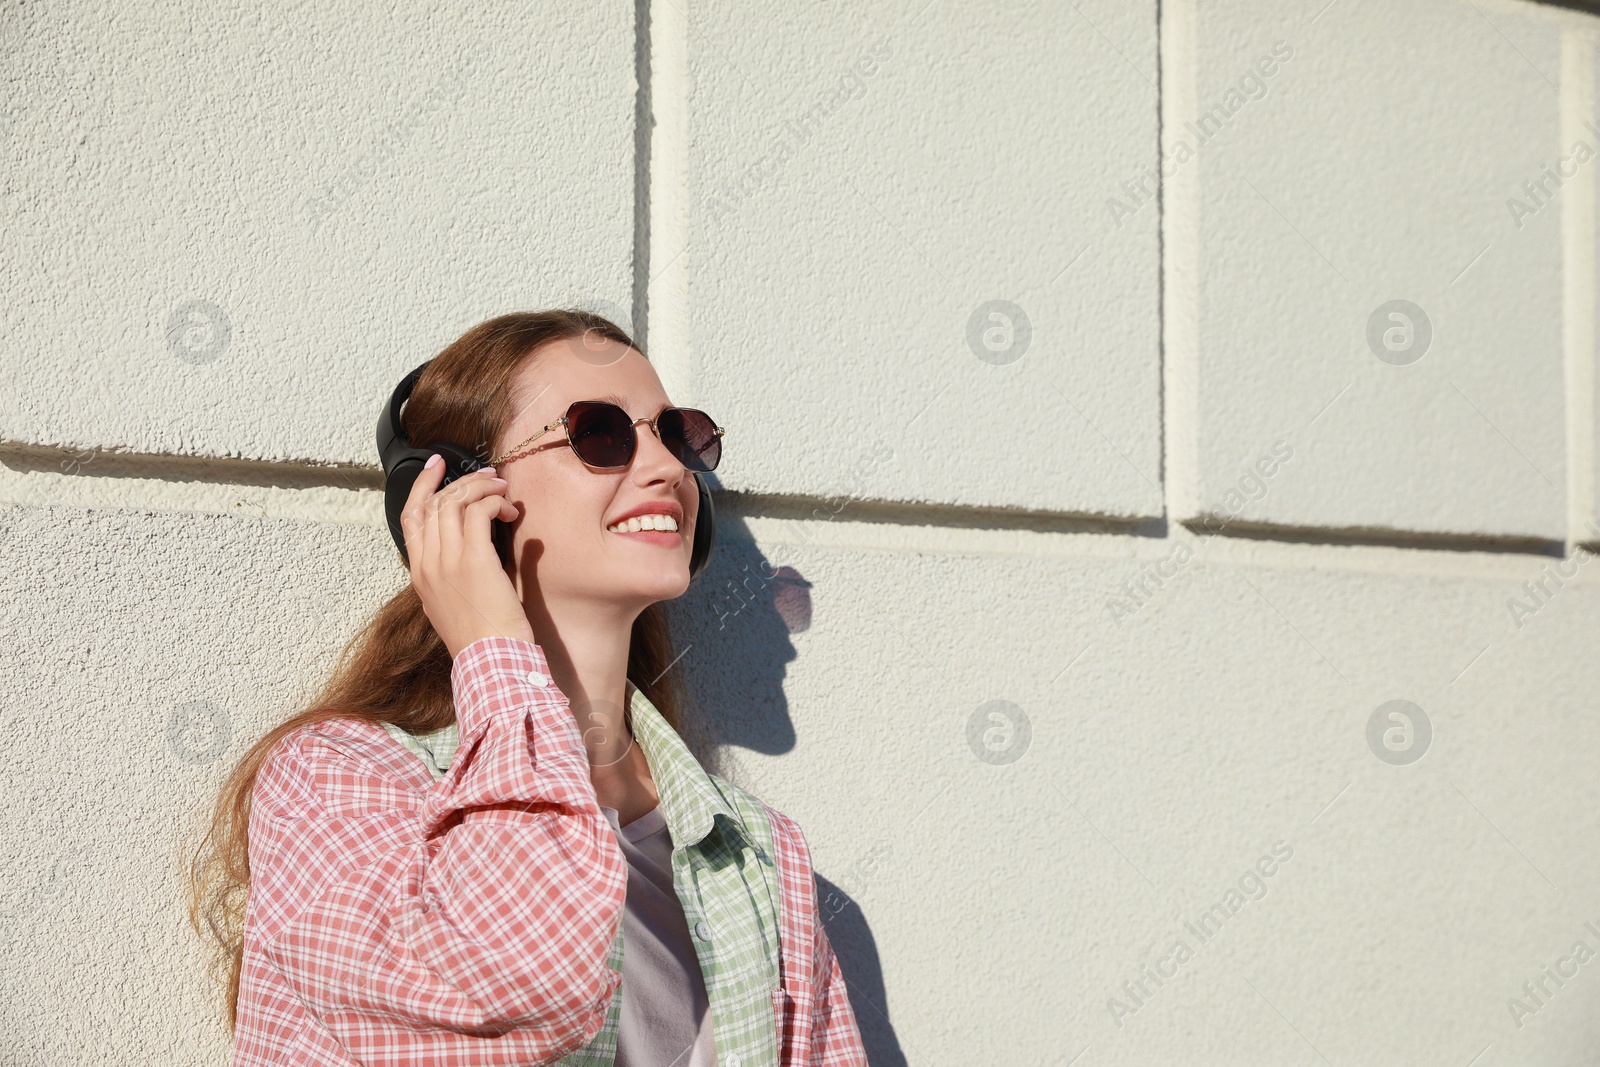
column 402, row 462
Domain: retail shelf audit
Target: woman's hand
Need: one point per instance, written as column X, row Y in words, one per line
column 465, row 591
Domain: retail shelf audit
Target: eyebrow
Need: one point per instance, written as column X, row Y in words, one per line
column 623, row 404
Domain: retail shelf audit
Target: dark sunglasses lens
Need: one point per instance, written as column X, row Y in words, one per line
column 691, row 436
column 601, row 434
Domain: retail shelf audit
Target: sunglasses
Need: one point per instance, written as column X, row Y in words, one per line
column 603, row 435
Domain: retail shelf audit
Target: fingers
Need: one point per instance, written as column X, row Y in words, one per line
column 465, row 590
column 411, row 516
column 432, row 517
column 477, row 515
column 445, row 511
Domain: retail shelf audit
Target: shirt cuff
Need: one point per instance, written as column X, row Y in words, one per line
column 495, row 673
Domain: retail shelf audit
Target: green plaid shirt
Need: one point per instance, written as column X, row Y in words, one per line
column 724, row 874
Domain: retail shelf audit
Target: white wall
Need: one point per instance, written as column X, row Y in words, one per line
column 1188, row 522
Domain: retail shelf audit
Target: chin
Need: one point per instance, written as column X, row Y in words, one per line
column 655, row 585
column 671, row 587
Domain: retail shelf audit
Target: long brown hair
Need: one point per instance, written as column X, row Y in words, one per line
column 396, row 669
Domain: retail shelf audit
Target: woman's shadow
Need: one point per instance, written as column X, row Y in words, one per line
column 731, row 629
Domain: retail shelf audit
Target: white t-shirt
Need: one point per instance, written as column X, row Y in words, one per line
column 665, row 1019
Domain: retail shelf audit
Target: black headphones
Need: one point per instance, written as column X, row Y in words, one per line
column 402, row 462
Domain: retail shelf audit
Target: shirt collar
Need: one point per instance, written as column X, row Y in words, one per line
column 690, row 798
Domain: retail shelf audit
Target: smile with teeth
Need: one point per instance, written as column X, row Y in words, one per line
column 645, row 522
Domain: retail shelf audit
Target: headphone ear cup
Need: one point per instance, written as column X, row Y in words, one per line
column 397, row 484
column 396, row 491
column 705, row 530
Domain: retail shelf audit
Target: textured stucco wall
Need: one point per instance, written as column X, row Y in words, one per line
column 1084, row 509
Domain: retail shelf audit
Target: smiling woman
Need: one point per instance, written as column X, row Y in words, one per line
column 442, row 857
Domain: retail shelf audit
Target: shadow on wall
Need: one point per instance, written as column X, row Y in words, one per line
column 857, row 950
column 732, row 629
column 732, row 632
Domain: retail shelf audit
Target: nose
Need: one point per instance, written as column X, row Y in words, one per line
column 652, row 453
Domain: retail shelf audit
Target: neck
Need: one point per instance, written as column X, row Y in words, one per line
column 586, row 647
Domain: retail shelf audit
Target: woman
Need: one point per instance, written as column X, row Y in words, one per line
column 485, row 842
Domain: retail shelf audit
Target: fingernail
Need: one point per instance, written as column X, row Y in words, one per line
column 433, row 461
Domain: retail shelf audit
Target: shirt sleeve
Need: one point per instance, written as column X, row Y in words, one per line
column 835, row 1037
column 470, row 925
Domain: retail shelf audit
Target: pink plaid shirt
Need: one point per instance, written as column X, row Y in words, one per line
column 393, row 919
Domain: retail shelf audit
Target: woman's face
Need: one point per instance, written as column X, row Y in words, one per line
column 561, row 539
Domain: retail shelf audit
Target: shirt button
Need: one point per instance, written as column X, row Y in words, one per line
column 702, row 931
column 538, row 679
column 733, row 1060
